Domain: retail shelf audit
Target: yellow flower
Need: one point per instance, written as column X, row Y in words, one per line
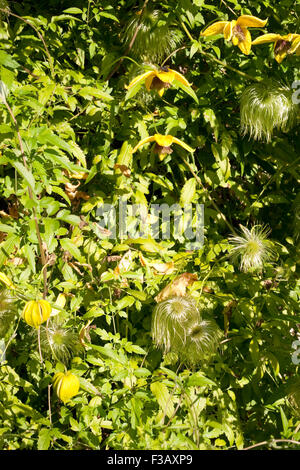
column 36, row 312
column 66, row 385
column 283, row 45
column 159, row 80
column 163, row 144
column 236, row 31
column 6, row 281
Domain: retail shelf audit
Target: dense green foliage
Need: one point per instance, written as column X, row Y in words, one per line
column 67, row 129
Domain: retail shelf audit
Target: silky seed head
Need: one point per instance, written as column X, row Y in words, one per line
column 170, row 322
column 202, row 341
column 266, row 106
column 59, row 342
column 252, row 247
column 156, row 37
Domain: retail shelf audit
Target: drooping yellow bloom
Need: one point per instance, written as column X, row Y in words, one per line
column 159, row 80
column 236, row 31
column 283, row 45
column 6, row 281
column 163, row 144
column 66, row 385
column 36, row 312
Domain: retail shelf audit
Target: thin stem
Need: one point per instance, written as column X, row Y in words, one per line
column 173, row 53
column 275, row 441
column 39, row 344
column 232, row 11
column 8, row 12
column 49, row 404
column 216, row 207
column 38, row 233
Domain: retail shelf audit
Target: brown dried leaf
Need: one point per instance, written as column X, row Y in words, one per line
column 177, row 287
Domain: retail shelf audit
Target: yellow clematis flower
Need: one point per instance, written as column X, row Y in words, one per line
column 36, row 312
column 66, row 385
column 283, row 45
column 163, row 144
column 159, row 80
column 236, row 31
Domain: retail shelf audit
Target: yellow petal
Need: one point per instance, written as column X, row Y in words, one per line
column 27, row 309
column 251, row 21
column 280, row 56
column 166, row 77
column 228, row 29
column 140, row 78
column 149, row 80
column 163, row 140
column 46, row 309
column 291, row 37
column 161, row 92
column 295, row 45
column 36, row 315
column 270, row 37
column 235, row 40
column 215, row 28
column 182, row 144
column 181, row 78
column 142, row 142
column 245, row 45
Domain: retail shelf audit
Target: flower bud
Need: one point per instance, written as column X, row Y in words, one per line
column 36, row 312
column 66, row 385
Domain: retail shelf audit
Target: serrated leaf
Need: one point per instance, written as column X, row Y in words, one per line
column 26, row 174
column 31, row 257
column 44, row 439
column 69, row 246
column 163, row 397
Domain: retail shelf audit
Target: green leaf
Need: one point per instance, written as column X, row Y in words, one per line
column 73, row 11
column 109, row 353
column 46, row 136
column 26, row 174
column 31, row 257
column 69, row 246
column 89, row 92
column 8, row 61
column 199, row 380
column 188, row 191
column 133, row 90
column 187, row 90
column 7, row 247
column 44, row 439
column 164, row 399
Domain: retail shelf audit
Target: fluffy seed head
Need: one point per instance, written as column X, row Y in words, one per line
column 266, row 106
column 62, row 343
column 170, row 322
column 202, row 341
column 155, row 39
column 252, row 247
